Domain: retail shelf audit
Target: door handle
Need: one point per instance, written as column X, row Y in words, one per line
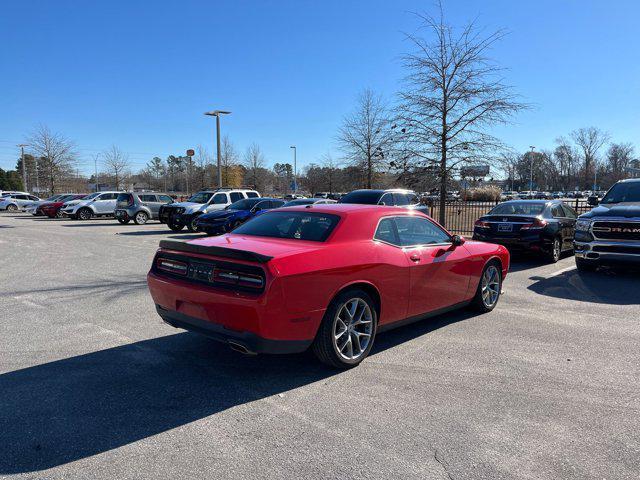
column 414, row 257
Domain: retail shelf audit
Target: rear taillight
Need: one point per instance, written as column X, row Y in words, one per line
column 234, row 277
column 536, row 225
column 481, row 224
column 172, row 266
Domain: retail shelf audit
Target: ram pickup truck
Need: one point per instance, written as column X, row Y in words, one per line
column 610, row 233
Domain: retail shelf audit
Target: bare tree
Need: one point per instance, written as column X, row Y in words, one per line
column 228, row 160
column 55, row 153
column 619, row 157
column 117, row 163
column 254, row 163
column 365, row 136
column 329, row 165
column 202, row 161
column 453, row 95
column 589, row 140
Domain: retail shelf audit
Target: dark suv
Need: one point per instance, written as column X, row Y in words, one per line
column 140, row 207
column 610, row 233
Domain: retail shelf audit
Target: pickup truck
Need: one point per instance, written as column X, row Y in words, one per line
column 610, row 233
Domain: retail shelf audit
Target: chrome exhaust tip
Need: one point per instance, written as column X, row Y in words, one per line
column 238, row 347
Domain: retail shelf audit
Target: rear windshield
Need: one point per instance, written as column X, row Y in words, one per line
column 623, row 192
column 300, row 201
column 367, row 197
column 518, row 208
column 315, row 227
column 123, row 197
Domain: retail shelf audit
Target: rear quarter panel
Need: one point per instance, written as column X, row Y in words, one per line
column 480, row 253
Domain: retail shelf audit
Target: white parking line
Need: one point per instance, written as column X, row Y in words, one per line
column 560, row 272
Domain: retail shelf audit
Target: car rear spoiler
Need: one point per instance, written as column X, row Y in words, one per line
column 213, row 250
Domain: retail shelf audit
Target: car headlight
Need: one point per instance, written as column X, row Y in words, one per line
column 583, row 225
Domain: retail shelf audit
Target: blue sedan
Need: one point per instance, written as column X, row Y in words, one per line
column 222, row 221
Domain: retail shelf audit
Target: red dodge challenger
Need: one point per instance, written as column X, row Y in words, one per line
column 329, row 277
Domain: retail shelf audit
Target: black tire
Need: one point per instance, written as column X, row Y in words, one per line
column 583, row 265
column 191, row 226
column 12, row 208
column 554, row 255
column 478, row 303
column 59, row 214
column 84, row 214
column 325, row 344
column 141, row 218
column 123, row 221
column 176, row 227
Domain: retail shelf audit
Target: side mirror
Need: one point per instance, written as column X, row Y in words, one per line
column 457, row 240
column 593, row 200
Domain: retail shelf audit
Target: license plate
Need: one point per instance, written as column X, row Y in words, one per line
column 505, row 227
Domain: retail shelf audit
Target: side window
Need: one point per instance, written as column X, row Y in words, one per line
column 108, row 196
column 557, row 211
column 31, row 197
column 235, row 196
column 276, row 203
column 413, row 199
column 21, row 197
column 387, row 199
column 252, row 195
column 262, row 205
column 400, row 199
column 386, row 232
column 165, row 198
column 419, row 231
column 219, row 198
column 147, row 198
column 569, row 212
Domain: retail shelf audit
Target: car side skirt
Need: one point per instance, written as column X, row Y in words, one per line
column 423, row 316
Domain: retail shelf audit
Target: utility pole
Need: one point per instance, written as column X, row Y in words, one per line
column 95, row 166
column 217, row 113
column 531, row 176
column 24, row 167
column 295, row 167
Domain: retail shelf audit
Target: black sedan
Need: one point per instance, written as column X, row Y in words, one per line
column 545, row 227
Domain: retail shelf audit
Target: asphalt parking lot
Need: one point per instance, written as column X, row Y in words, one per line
column 94, row 385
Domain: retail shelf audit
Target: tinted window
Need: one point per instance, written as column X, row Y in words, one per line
column 244, row 204
column 386, row 199
column 400, row 199
column 201, row 197
column 386, row 231
column 219, row 198
column 300, row 201
column 623, row 192
column 252, row 194
column 569, row 212
column 235, row 196
column 108, row 196
column 419, row 231
column 557, row 211
column 277, row 203
column 31, row 197
column 21, row 197
column 165, row 198
column 367, row 197
column 311, row 226
column 147, row 198
column 518, row 208
column 123, row 198
column 413, row 199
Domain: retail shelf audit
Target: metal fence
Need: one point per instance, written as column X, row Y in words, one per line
column 461, row 215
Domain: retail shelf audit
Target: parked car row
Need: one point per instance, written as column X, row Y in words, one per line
column 539, row 195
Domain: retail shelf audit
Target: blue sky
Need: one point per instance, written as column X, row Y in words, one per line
column 140, row 74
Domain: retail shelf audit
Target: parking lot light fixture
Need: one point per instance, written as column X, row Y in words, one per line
column 217, row 113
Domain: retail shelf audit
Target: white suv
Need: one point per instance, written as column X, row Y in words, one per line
column 179, row 215
column 99, row 204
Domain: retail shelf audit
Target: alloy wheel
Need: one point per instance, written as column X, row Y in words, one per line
column 352, row 329
column 556, row 250
column 490, row 286
column 141, row 218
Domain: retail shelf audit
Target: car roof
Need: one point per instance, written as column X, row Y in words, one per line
column 344, row 209
column 630, row 180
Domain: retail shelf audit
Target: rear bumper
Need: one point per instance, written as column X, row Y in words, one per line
column 603, row 253
column 529, row 242
column 245, row 341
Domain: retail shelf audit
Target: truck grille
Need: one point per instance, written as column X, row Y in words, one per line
column 619, row 230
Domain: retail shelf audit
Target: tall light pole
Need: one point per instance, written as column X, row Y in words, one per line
column 295, row 166
column 95, row 166
column 217, row 113
column 24, row 167
column 531, row 176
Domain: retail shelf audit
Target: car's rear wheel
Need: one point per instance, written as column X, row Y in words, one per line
column 347, row 331
column 556, row 251
column 59, row 214
column 12, row 208
column 191, row 226
column 141, row 218
column 84, row 214
column 489, row 288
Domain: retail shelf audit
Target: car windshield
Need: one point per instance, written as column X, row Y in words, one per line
column 623, row 192
column 93, row 195
column 300, row 201
column 55, row 197
column 200, row 197
column 518, row 208
column 64, row 198
column 311, row 226
column 367, row 197
column 244, row 204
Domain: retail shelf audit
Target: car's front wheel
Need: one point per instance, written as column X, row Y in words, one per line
column 12, row 208
column 123, row 221
column 141, row 218
column 175, row 226
column 191, row 226
column 85, row 214
column 555, row 252
column 347, row 331
column 489, row 288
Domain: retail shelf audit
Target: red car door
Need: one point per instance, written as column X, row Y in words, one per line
column 438, row 271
